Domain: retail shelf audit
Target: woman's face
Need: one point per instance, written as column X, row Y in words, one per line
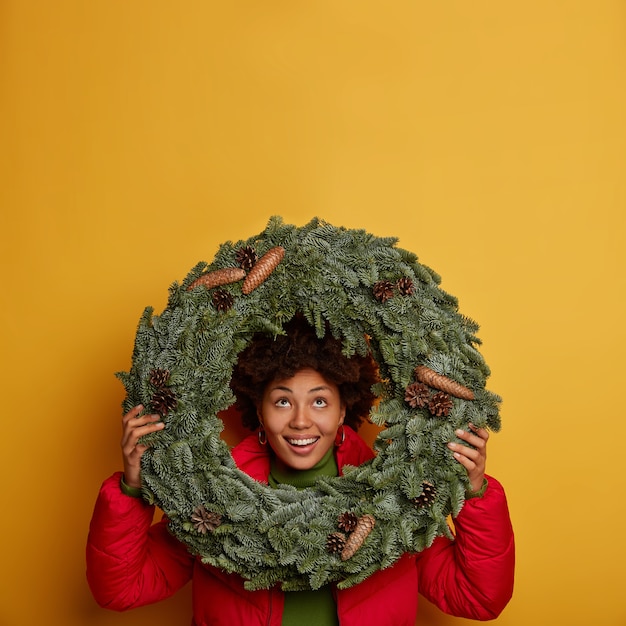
column 301, row 416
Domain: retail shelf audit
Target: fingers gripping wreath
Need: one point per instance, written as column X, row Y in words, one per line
column 373, row 295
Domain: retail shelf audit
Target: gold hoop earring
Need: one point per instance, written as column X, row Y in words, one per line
column 262, row 436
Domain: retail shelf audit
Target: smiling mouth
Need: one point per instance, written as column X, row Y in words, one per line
column 301, row 442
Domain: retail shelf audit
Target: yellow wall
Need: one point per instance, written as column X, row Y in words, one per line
column 489, row 136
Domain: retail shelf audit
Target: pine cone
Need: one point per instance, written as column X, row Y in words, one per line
column 159, row 377
column 335, row 542
column 246, row 258
column 205, row 521
column 383, row 290
column 363, row 528
column 262, row 269
column 417, row 395
column 219, row 277
column 427, row 497
column 347, row 521
column 440, row 404
column 405, row 286
column 222, row 300
column 163, row 401
column 443, row 383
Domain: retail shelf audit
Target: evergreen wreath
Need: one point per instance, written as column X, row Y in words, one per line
column 374, row 296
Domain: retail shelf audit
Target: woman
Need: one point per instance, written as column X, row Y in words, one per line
column 305, row 400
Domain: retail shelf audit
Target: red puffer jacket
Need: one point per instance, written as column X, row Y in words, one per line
column 132, row 562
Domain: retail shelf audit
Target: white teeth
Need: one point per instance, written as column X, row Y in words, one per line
column 302, row 442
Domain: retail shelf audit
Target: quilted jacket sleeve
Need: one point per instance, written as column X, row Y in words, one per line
column 472, row 576
column 130, row 561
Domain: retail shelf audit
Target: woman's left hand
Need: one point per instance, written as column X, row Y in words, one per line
column 472, row 459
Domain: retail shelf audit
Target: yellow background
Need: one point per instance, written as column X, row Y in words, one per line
column 489, row 136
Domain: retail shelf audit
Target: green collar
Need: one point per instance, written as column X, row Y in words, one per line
column 281, row 475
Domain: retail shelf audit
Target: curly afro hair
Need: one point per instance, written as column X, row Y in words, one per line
column 268, row 358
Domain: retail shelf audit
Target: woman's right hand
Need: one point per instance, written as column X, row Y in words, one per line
column 134, row 427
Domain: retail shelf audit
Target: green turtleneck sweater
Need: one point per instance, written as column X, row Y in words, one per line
column 307, row 608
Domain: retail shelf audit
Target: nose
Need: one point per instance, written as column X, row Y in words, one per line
column 300, row 418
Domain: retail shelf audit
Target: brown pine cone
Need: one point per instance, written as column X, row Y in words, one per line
column 363, row 528
column 443, row 383
column 219, row 277
column 405, row 286
column 335, row 542
column 159, row 377
column 427, row 497
column 163, row 401
column 417, row 395
column 347, row 521
column 440, row 404
column 383, row 290
column 262, row 269
column 246, row 257
column 222, row 300
column 205, row 521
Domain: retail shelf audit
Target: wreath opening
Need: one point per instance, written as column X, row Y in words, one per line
column 375, row 297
